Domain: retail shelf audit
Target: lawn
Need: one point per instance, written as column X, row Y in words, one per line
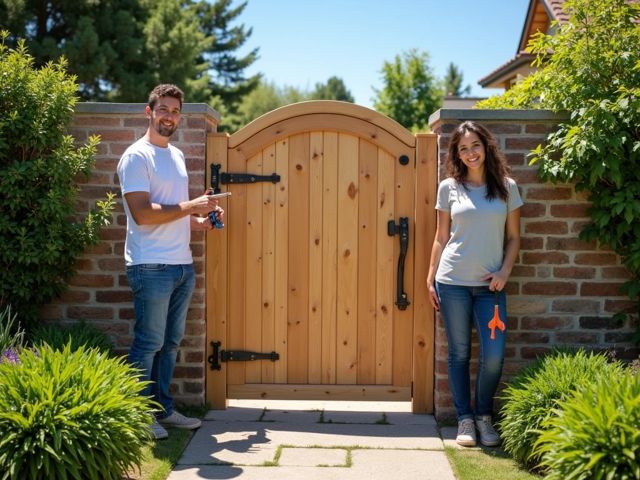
column 486, row 464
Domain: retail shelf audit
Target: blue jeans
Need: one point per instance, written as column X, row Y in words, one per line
column 461, row 308
column 161, row 297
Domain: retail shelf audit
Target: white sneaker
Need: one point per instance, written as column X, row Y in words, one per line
column 466, row 433
column 488, row 436
column 177, row 420
column 158, row 431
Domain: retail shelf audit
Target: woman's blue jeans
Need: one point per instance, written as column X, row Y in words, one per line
column 461, row 308
column 161, row 297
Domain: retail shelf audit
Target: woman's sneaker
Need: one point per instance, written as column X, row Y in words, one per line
column 488, row 436
column 466, row 433
column 178, row 420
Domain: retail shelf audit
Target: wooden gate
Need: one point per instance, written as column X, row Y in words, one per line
column 309, row 262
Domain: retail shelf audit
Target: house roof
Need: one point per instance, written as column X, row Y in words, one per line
column 540, row 14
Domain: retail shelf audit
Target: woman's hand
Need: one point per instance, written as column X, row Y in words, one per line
column 433, row 296
column 497, row 280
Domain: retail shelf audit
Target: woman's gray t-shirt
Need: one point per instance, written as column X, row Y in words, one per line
column 476, row 241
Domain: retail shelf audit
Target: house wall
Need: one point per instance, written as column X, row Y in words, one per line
column 99, row 293
column 562, row 291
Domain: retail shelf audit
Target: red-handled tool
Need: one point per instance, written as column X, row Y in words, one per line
column 495, row 322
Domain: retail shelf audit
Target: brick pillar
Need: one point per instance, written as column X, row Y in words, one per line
column 99, row 293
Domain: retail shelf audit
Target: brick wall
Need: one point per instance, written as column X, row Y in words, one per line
column 99, row 293
column 562, row 291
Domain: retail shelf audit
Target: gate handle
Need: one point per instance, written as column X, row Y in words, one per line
column 403, row 229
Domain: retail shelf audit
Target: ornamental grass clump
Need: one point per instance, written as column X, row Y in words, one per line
column 11, row 336
column 71, row 414
column 595, row 434
column 531, row 396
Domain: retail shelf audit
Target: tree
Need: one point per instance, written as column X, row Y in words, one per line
column 40, row 234
column 334, row 89
column 226, row 70
column 453, row 80
column 411, row 91
column 103, row 42
column 266, row 97
column 120, row 49
column 591, row 68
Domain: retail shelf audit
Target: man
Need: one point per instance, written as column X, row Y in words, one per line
column 160, row 216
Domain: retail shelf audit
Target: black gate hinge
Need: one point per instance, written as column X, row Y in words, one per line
column 236, row 356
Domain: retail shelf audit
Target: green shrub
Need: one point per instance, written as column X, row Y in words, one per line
column 595, row 434
column 71, row 414
column 77, row 334
column 531, row 396
column 40, row 234
column 589, row 66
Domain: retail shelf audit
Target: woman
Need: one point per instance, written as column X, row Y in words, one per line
column 476, row 244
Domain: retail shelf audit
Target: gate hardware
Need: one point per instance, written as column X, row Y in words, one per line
column 217, row 178
column 404, row 160
column 237, row 356
column 403, row 229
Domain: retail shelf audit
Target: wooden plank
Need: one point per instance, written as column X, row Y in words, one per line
column 423, row 313
column 268, row 262
column 330, row 256
column 315, row 257
column 216, row 283
column 281, row 259
column 367, row 226
column 298, row 302
column 386, row 269
column 403, row 319
column 236, row 222
column 321, row 392
column 347, row 299
column 253, row 275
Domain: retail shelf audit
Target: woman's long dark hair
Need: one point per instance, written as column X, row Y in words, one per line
column 496, row 168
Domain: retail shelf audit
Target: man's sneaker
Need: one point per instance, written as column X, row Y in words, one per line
column 466, row 433
column 178, row 420
column 158, row 431
column 488, row 436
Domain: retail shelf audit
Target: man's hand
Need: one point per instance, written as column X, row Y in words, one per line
column 200, row 223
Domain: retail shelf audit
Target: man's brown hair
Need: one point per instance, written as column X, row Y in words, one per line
column 165, row 90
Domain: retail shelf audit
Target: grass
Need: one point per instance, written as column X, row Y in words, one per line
column 486, row 464
column 160, row 458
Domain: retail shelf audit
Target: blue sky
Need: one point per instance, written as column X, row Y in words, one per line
column 303, row 42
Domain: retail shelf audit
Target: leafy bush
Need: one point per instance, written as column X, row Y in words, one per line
column 596, row 433
column 40, row 238
column 531, row 396
column 76, row 335
column 71, row 414
column 590, row 67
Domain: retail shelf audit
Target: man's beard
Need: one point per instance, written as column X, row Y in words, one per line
column 163, row 130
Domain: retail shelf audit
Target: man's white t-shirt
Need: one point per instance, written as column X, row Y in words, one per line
column 476, row 242
column 162, row 173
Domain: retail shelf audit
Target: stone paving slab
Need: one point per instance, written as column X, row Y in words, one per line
column 367, row 465
column 313, row 457
column 302, row 417
column 235, row 414
column 354, row 417
column 232, row 443
column 253, row 443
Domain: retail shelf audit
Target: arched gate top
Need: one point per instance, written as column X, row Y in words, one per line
column 299, row 117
